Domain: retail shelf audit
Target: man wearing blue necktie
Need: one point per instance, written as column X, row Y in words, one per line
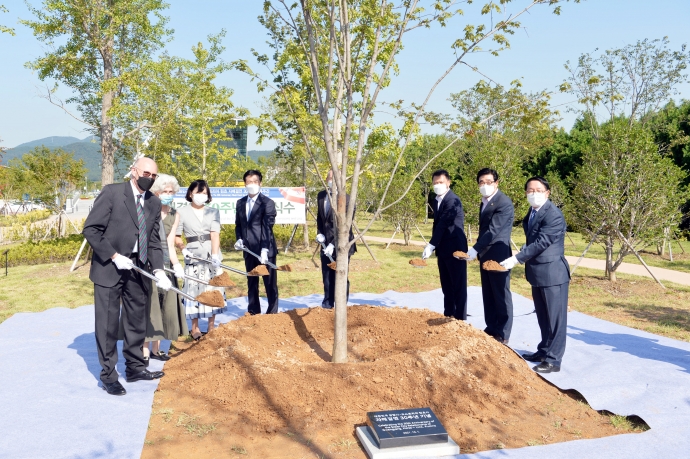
column 547, row 271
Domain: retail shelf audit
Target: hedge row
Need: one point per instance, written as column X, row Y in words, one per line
column 49, row 251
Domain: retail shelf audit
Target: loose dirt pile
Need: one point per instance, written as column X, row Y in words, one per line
column 211, row 298
column 417, row 262
column 461, row 255
column 260, row 270
column 491, row 265
column 222, row 280
column 263, row 386
column 287, row 268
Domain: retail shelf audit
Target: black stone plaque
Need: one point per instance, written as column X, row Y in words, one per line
column 412, row 427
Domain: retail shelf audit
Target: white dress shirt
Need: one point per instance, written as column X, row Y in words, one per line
column 250, row 205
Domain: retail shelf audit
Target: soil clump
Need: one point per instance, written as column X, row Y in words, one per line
column 461, row 255
column 491, row 265
column 417, row 262
column 211, row 298
column 222, row 280
column 264, row 386
column 260, row 270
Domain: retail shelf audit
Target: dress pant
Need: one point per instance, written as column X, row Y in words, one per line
column 453, row 273
column 270, row 283
column 132, row 291
column 328, row 276
column 498, row 303
column 551, row 305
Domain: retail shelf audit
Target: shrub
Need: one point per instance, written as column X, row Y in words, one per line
column 49, row 251
column 24, row 219
column 281, row 232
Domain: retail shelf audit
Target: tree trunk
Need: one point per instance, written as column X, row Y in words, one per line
column 407, row 234
column 306, row 235
column 609, row 261
column 107, row 146
column 342, row 262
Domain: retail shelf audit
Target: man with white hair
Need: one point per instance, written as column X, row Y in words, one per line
column 122, row 229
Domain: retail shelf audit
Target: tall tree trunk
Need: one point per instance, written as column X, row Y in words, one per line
column 306, row 202
column 340, row 317
column 107, row 146
column 609, row 260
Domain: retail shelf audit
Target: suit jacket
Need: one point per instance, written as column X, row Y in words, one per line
column 448, row 233
column 544, row 254
column 495, row 226
column 112, row 227
column 324, row 221
column 257, row 233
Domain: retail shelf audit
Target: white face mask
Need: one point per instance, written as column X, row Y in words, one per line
column 252, row 188
column 487, row 190
column 536, row 199
column 200, row 199
column 440, row 189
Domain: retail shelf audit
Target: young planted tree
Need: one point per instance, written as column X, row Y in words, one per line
column 94, row 48
column 343, row 56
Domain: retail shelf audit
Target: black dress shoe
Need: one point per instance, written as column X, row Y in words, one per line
column 546, row 367
column 145, row 375
column 534, row 357
column 160, row 356
column 114, row 388
column 146, row 362
column 501, row 340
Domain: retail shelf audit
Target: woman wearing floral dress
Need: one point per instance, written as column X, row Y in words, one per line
column 201, row 227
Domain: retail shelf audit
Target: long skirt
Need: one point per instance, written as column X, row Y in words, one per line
column 167, row 317
column 194, row 309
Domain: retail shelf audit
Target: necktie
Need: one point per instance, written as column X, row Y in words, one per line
column 251, row 205
column 143, row 243
column 531, row 217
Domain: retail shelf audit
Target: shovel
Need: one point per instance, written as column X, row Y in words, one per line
column 332, row 263
column 268, row 263
column 229, row 268
column 179, row 292
column 191, row 278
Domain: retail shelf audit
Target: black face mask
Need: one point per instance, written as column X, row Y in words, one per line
column 145, row 183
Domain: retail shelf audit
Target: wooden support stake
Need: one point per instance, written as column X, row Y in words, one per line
column 294, row 230
column 571, row 239
column 420, row 233
column 394, row 233
column 74, row 264
column 639, row 257
column 361, row 237
column 594, row 238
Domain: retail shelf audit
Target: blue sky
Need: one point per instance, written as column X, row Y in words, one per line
column 537, row 55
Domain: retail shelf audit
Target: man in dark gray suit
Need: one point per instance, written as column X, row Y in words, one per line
column 255, row 215
column 448, row 236
column 496, row 215
column 122, row 229
column 547, row 271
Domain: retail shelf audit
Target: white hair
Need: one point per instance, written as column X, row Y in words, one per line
column 164, row 180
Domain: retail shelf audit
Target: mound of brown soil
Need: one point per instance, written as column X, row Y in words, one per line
column 264, row 385
column 222, row 280
column 417, row 262
column 287, row 268
column 332, row 264
column 461, row 255
column 491, row 265
column 260, row 270
column 211, row 298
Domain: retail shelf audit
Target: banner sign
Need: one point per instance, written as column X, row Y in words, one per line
column 290, row 203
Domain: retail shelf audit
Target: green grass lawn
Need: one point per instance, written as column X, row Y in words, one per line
column 632, row 301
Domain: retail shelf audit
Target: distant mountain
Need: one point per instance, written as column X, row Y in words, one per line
column 256, row 154
column 88, row 149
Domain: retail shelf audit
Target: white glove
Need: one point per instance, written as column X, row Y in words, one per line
column 427, row 251
column 239, row 245
column 163, row 282
column 264, row 256
column 179, row 272
column 328, row 251
column 472, row 254
column 509, row 263
column 187, row 254
column 320, row 238
column 122, row 262
column 215, row 260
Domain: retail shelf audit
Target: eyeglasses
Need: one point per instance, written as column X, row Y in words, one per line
column 147, row 174
column 486, row 183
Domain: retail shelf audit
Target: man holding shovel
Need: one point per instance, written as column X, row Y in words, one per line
column 255, row 215
column 327, row 238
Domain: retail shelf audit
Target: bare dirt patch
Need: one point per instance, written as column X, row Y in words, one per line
column 263, row 385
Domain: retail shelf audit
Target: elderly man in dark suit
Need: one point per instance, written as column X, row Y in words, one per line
column 327, row 236
column 448, row 236
column 255, row 215
column 122, row 229
column 496, row 215
column 547, row 271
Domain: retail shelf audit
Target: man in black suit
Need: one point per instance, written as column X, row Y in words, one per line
column 547, row 271
column 447, row 237
column 122, row 229
column 255, row 216
column 327, row 236
column 496, row 215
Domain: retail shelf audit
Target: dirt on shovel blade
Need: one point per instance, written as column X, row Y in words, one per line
column 211, row 298
column 418, row 262
column 461, row 255
column 260, row 270
column 222, row 280
column 491, row 265
column 332, row 265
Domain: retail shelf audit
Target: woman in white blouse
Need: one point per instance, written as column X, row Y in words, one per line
column 201, row 227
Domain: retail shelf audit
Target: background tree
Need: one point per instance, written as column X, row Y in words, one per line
column 5, row 29
column 345, row 54
column 95, row 46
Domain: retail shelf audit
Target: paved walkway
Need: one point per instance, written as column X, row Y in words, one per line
column 662, row 274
